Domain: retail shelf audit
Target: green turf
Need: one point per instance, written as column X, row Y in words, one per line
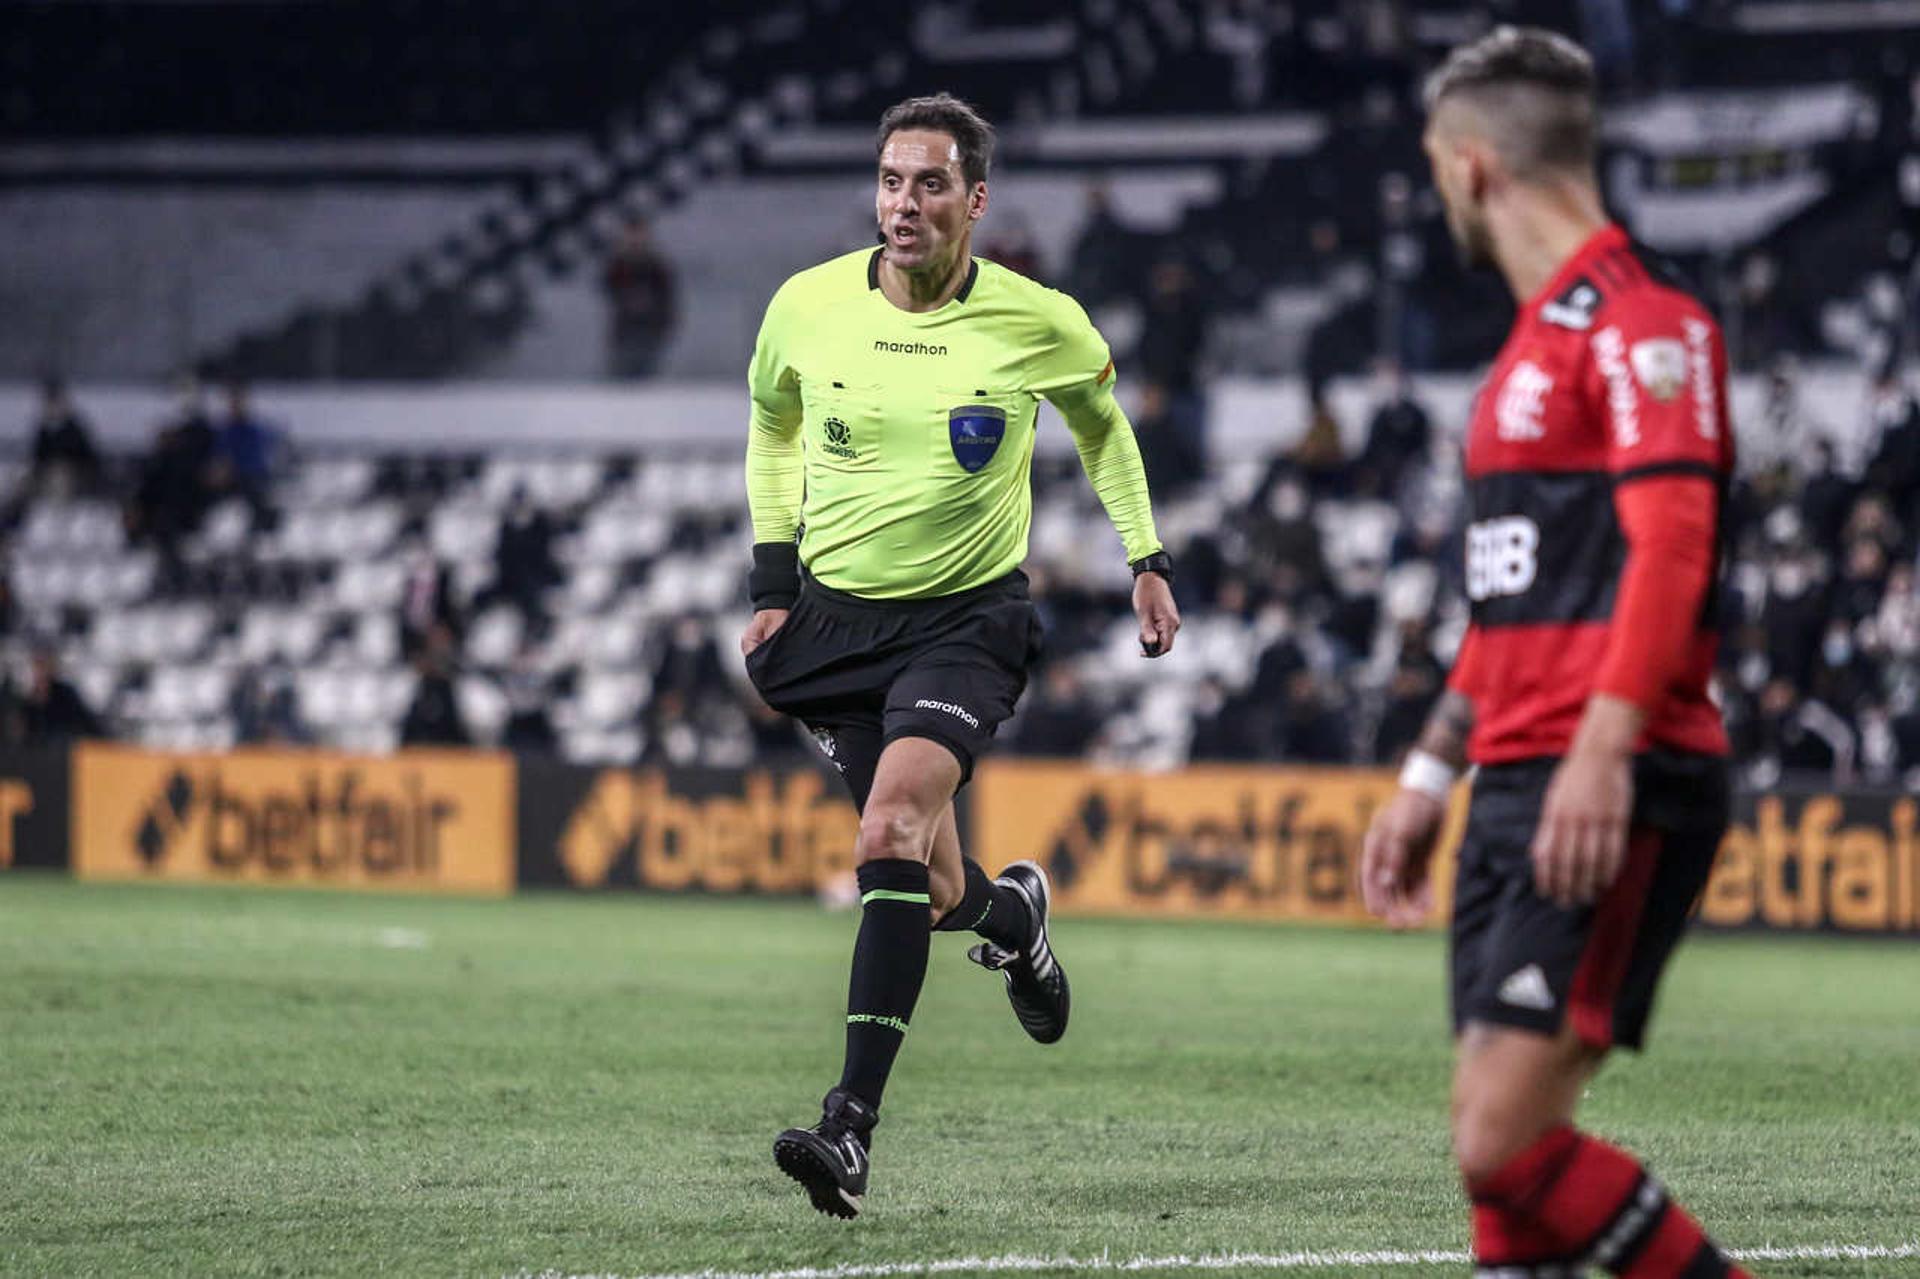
column 200, row 1081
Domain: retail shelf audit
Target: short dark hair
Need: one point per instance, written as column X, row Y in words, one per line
column 1536, row 89
column 944, row 113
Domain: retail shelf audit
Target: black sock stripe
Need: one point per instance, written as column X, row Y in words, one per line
column 1708, row 1263
column 1637, row 1221
column 1532, row 1270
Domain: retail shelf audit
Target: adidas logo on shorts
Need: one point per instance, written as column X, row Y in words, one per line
column 1527, row 988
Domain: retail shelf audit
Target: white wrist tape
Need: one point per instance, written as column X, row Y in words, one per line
column 1428, row 774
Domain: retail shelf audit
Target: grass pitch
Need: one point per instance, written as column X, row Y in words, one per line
column 206, row 1081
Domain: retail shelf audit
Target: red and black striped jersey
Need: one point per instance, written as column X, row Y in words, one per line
column 1596, row 459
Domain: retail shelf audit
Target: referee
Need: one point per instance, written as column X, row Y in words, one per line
column 894, row 397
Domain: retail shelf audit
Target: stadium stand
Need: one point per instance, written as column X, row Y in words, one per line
column 601, row 591
column 1234, row 186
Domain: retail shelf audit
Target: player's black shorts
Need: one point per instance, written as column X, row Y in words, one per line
column 862, row 672
column 1520, row 960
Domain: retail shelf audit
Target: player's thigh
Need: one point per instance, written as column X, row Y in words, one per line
column 1638, row 926
column 852, row 744
column 913, row 787
column 1682, row 807
column 1492, row 875
column 963, row 685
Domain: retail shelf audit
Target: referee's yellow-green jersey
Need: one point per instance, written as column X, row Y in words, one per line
column 899, row 445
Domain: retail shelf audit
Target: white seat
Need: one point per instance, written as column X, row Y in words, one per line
column 483, row 706
column 494, row 636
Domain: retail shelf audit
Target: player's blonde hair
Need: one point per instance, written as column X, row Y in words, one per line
column 1532, row 91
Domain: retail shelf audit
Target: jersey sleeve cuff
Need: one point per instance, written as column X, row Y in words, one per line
column 774, row 581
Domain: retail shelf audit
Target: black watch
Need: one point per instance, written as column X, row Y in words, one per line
column 1159, row 562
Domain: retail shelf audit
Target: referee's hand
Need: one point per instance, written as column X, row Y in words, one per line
column 1159, row 619
column 761, row 628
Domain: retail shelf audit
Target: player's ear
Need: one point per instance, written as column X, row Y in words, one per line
column 1476, row 170
column 977, row 202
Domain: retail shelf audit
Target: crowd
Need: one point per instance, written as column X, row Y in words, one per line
column 1323, row 601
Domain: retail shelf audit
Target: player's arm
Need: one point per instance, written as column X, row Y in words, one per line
column 1659, row 372
column 1075, row 373
column 776, row 481
column 1398, row 851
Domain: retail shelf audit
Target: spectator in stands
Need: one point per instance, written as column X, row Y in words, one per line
column 1399, row 433
column 177, row 476
column 434, row 718
column 1173, row 336
column 529, row 730
column 642, row 296
column 47, row 710
column 1416, row 683
column 1309, row 729
column 523, row 563
column 65, row 461
column 1798, row 736
column 1101, row 261
column 1226, row 727
column 266, row 710
column 1283, row 543
column 426, row 600
column 1894, row 630
column 1014, row 247
column 1059, row 720
column 1826, row 496
column 669, row 734
column 244, row 450
column 1795, row 616
column 1173, row 455
column 1321, row 456
column 1895, row 468
column 1862, row 582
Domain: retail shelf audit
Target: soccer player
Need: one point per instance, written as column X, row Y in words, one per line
column 1596, row 459
column 894, row 396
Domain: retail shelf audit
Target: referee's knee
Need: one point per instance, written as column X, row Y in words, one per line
column 893, row 831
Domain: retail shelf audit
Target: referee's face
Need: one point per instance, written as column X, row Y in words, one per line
column 925, row 208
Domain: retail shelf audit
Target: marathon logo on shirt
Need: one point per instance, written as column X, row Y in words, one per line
column 960, row 713
column 883, row 347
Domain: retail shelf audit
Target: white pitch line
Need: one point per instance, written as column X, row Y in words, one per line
column 1209, row 1261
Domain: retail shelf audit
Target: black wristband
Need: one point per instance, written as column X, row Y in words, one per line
column 774, row 581
column 1159, row 562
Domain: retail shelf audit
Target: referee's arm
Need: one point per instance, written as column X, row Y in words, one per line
column 1111, row 458
column 776, row 485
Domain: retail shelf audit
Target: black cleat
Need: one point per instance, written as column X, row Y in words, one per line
column 1036, row 984
column 830, row 1158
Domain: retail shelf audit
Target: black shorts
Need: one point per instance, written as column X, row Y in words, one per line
column 862, row 672
column 1520, row 960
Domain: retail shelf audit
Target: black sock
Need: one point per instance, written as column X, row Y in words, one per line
column 992, row 910
column 889, row 965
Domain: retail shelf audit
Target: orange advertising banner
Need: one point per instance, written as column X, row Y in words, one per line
column 422, row 820
column 1220, row 841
